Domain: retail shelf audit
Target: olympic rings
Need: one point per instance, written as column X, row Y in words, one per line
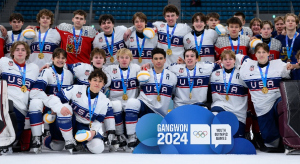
column 199, row 134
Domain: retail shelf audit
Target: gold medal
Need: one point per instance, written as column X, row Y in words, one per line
column 112, row 59
column 24, row 88
column 90, row 124
column 41, row 56
column 227, row 97
column 140, row 59
column 265, row 90
column 125, row 97
column 190, row 95
column 158, row 98
column 199, row 58
column 169, row 51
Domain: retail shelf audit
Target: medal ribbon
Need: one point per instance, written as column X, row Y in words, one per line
column 198, row 48
column 191, row 82
column 140, row 50
column 23, row 73
column 123, row 81
column 90, row 104
column 227, row 85
column 13, row 38
column 290, row 49
column 41, row 44
column 155, row 79
column 79, row 39
column 264, row 79
column 242, row 31
column 111, row 46
column 59, row 85
column 168, row 35
column 232, row 47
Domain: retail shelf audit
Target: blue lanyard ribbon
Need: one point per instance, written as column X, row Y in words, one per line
column 23, row 73
column 168, row 35
column 242, row 31
column 41, row 44
column 111, row 46
column 158, row 86
column 227, row 85
column 238, row 46
column 138, row 45
column 13, row 38
column 198, row 48
column 79, row 39
column 123, row 81
column 191, row 82
column 264, row 79
column 269, row 43
column 90, row 104
column 290, row 49
column 59, row 85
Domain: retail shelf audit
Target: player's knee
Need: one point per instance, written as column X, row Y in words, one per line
column 96, row 146
column 133, row 103
column 116, row 106
column 67, row 106
column 36, row 105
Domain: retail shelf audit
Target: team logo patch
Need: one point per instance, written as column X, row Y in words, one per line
column 252, row 68
column 87, row 72
column 131, row 39
column 10, row 63
column 100, row 39
column 188, row 40
column 181, row 70
column 162, row 25
column 78, row 95
column 85, row 32
column 53, row 74
column 114, row 71
column 218, row 73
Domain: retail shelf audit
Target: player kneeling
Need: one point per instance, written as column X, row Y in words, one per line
column 91, row 108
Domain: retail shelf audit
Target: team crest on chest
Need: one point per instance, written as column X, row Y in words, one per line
column 131, row 39
column 252, row 68
column 188, row 40
column 87, row 72
column 53, row 74
column 78, row 95
column 100, row 39
column 162, row 25
column 217, row 73
column 114, row 71
column 181, row 70
column 10, row 63
column 85, row 32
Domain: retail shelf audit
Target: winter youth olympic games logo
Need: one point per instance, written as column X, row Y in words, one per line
column 190, row 129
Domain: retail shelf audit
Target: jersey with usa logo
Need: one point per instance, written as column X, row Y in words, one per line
column 176, row 41
column 201, row 81
column 10, row 72
column 77, row 94
column 8, row 41
column 238, row 93
column 116, row 87
column 119, row 43
column 148, row 92
column 251, row 75
column 149, row 45
column 207, row 50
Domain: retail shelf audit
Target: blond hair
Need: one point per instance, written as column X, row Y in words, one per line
column 124, row 51
column 230, row 53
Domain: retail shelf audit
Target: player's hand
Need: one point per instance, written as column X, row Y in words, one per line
column 31, row 27
column 218, row 62
column 4, row 31
column 65, row 111
column 45, row 66
column 180, row 60
column 145, row 66
column 253, row 37
column 93, row 133
column 127, row 34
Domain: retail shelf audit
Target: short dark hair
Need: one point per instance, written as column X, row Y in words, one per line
column 262, row 45
column 16, row 16
column 240, row 14
column 106, row 17
column 140, row 15
column 256, row 20
column 234, row 20
column 80, row 12
column 201, row 15
column 267, row 22
column 98, row 73
column 45, row 12
column 158, row 51
column 171, row 9
column 59, row 51
column 98, row 51
column 213, row 15
column 193, row 50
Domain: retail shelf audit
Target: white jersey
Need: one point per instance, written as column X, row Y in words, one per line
column 9, row 42
column 80, row 105
column 207, row 52
column 238, row 93
column 99, row 42
column 201, row 81
column 82, row 71
column 239, row 59
column 46, row 83
column 149, row 45
column 251, row 75
column 52, row 41
column 148, row 92
column 116, row 87
column 11, row 73
column 176, row 41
